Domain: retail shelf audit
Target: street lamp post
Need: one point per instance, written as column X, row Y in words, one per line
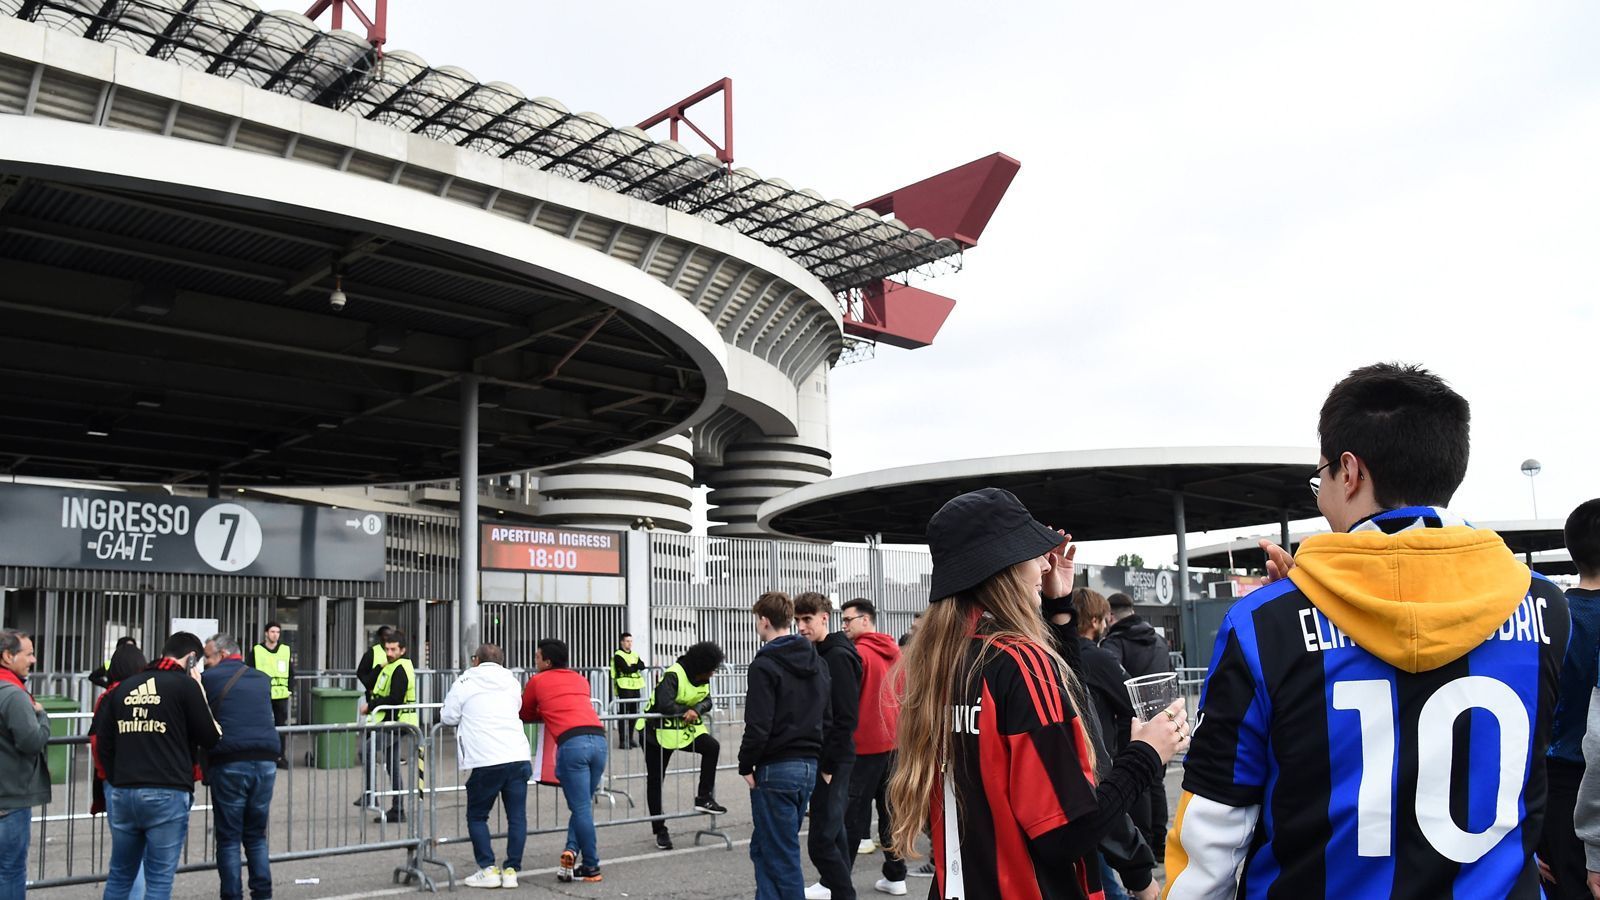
column 1530, row 468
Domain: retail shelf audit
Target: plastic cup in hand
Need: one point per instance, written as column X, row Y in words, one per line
column 1152, row 693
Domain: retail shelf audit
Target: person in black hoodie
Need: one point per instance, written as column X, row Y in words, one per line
column 1123, row 849
column 1133, row 642
column 787, row 711
column 829, row 842
column 146, row 733
column 1141, row 651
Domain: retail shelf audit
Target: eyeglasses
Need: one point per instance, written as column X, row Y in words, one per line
column 1315, row 481
column 846, row 620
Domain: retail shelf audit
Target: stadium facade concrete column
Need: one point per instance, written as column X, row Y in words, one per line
column 647, row 488
column 758, row 465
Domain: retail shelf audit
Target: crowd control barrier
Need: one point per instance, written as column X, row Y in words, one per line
column 446, row 795
column 312, row 814
column 347, row 776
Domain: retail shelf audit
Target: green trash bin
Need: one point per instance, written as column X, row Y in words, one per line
column 57, row 755
column 336, row 706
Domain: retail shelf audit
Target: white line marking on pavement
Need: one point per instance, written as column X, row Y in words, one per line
column 659, row 854
column 524, row 873
column 365, row 894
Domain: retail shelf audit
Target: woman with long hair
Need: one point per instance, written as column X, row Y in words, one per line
column 992, row 755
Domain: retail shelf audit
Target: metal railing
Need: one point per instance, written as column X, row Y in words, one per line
column 311, row 813
column 546, row 809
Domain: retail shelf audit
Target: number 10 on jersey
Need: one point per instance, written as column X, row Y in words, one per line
column 1373, row 702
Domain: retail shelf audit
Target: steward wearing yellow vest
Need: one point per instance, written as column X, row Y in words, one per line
column 627, row 685
column 271, row 657
column 395, row 685
column 683, row 698
column 373, row 661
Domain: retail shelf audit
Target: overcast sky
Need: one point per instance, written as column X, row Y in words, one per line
column 1222, row 208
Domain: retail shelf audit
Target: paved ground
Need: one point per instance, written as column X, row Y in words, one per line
column 633, row 867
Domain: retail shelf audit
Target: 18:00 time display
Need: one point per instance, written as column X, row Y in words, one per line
column 541, row 558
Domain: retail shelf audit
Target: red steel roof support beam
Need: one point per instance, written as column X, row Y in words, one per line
column 901, row 315
column 377, row 24
column 679, row 112
column 956, row 204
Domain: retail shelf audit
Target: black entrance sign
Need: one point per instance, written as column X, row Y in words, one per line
column 73, row 529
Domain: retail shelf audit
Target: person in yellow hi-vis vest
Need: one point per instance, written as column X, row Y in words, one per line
column 683, row 698
column 373, row 661
column 396, row 685
column 627, row 685
column 273, row 659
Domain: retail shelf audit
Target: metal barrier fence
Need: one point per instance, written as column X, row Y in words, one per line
column 622, row 792
column 358, row 788
column 312, row 815
column 702, row 587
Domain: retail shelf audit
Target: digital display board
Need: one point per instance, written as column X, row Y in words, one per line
column 544, row 548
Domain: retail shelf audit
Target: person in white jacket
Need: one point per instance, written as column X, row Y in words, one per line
column 483, row 705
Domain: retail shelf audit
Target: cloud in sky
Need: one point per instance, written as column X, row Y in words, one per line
column 1221, row 210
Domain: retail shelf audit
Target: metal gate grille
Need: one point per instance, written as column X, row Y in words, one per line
column 703, row 587
column 590, row 631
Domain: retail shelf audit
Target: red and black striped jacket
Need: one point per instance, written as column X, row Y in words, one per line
column 1022, row 783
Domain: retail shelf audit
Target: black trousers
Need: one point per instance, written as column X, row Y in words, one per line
column 280, row 718
column 1559, row 846
column 1149, row 814
column 829, row 840
column 628, row 702
column 868, row 782
column 656, row 758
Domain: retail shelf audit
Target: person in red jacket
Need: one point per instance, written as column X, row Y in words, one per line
column 559, row 697
column 875, row 727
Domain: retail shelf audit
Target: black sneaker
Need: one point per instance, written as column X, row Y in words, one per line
column 587, row 873
column 709, row 805
column 393, row 815
column 663, row 841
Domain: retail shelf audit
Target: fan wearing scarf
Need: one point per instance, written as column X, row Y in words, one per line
column 1374, row 724
column 24, row 780
column 994, row 757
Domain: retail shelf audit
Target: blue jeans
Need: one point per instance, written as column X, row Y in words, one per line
column 241, row 796
column 1109, row 882
column 148, row 825
column 509, row 782
column 777, row 805
column 580, row 761
column 14, row 830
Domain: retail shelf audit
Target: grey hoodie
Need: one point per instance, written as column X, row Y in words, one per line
column 1586, row 815
column 24, row 779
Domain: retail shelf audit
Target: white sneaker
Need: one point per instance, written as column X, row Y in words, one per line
column 866, row 847
column 508, row 878
column 483, row 878
column 897, row 888
column 818, row 892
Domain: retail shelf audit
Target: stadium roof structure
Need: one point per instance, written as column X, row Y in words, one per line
column 1094, row 494
column 1532, row 539
column 286, row 53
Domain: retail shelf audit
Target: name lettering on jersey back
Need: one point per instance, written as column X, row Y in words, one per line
column 1321, row 634
column 964, row 719
column 1526, row 624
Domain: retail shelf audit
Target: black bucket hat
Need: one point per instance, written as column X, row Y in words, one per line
column 979, row 533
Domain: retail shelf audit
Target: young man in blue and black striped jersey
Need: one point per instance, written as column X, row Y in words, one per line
column 1375, row 723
